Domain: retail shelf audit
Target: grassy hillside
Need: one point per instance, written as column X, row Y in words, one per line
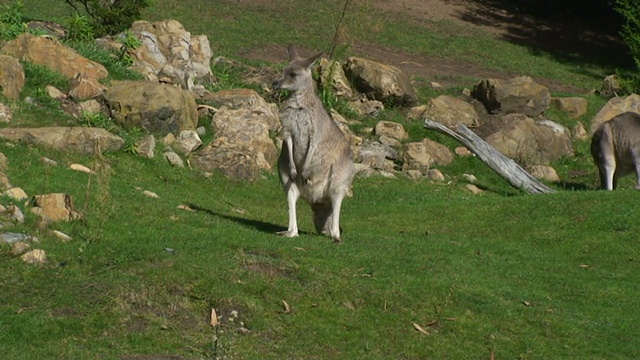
column 502, row 273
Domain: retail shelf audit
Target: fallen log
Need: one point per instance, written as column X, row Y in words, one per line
column 502, row 165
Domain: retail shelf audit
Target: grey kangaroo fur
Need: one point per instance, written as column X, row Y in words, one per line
column 316, row 162
column 615, row 148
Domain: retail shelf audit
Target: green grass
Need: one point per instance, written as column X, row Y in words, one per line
column 523, row 277
column 534, row 277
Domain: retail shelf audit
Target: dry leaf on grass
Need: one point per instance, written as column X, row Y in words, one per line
column 287, row 308
column 214, row 318
column 421, row 329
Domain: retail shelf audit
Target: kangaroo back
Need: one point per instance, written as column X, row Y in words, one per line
column 316, row 161
column 615, row 148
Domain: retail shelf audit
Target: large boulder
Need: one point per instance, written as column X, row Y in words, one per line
column 614, row 107
column 332, row 76
column 380, row 81
column 83, row 140
column 376, row 155
column 246, row 98
column 518, row 95
column 532, row 142
column 54, row 55
column 573, row 106
column 155, row 108
column 391, row 129
column 170, row 52
column 421, row 155
column 54, row 207
column 12, row 77
column 450, row 111
column 242, row 147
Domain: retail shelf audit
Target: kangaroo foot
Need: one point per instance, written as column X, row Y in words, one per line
column 287, row 233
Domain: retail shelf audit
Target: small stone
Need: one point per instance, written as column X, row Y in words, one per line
column 89, row 107
column 579, row 132
column 80, row 168
column 11, row 238
column 187, row 141
column 414, row 174
column 48, row 162
column 544, row 172
column 16, row 193
column 19, row 248
column 55, row 93
column 462, row 151
column 435, row 175
column 389, row 141
column 15, row 214
column 391, row 129
column 62, row 236
column 150, row 194
column 5, row 114
column 201, row 131
column 174, row 159
column 470, row 178
column 146, row 146
column 169, row 139
column 35, row 256
column 474, row 189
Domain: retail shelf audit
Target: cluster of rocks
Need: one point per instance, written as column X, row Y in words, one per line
column 172, row 99
column 48, row 208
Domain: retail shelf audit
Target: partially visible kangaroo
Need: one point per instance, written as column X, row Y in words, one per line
column 615, row 148
column 316, row 161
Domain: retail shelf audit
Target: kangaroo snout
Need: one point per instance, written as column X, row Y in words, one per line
column 277, row 83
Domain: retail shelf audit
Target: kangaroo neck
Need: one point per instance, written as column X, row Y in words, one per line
column 302, row 98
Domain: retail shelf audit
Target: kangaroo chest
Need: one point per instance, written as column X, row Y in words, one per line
column 299, row 126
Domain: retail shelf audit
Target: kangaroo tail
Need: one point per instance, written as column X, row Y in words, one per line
column 322, row 217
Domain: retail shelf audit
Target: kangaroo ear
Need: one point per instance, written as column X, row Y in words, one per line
column 293, row 54
column 310, row 60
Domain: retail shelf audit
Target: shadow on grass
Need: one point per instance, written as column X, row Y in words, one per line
column 573, row 186
column 587, row 33
column 256, row 224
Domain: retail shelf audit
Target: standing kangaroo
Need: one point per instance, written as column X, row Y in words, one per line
column 615, row 148
column 316, row 161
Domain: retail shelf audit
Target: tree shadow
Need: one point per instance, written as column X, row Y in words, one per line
column 579, row 32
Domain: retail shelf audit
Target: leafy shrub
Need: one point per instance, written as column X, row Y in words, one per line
column 79, row 28
column 110, row 17
column 630, row 10
column 11, row 20
column 129, row 43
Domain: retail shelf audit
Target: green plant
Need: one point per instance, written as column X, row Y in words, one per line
column 12, row 20
column 79, row 28
column 630, row 11
column 117, row 65
column 110, row 17
column 130, row 136
column 129, row 44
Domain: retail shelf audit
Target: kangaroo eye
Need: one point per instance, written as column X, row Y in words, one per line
column 293, row 75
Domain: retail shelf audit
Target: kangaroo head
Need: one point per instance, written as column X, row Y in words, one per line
column 296, row 75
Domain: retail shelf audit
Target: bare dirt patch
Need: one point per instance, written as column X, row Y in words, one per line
column 490, row 17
